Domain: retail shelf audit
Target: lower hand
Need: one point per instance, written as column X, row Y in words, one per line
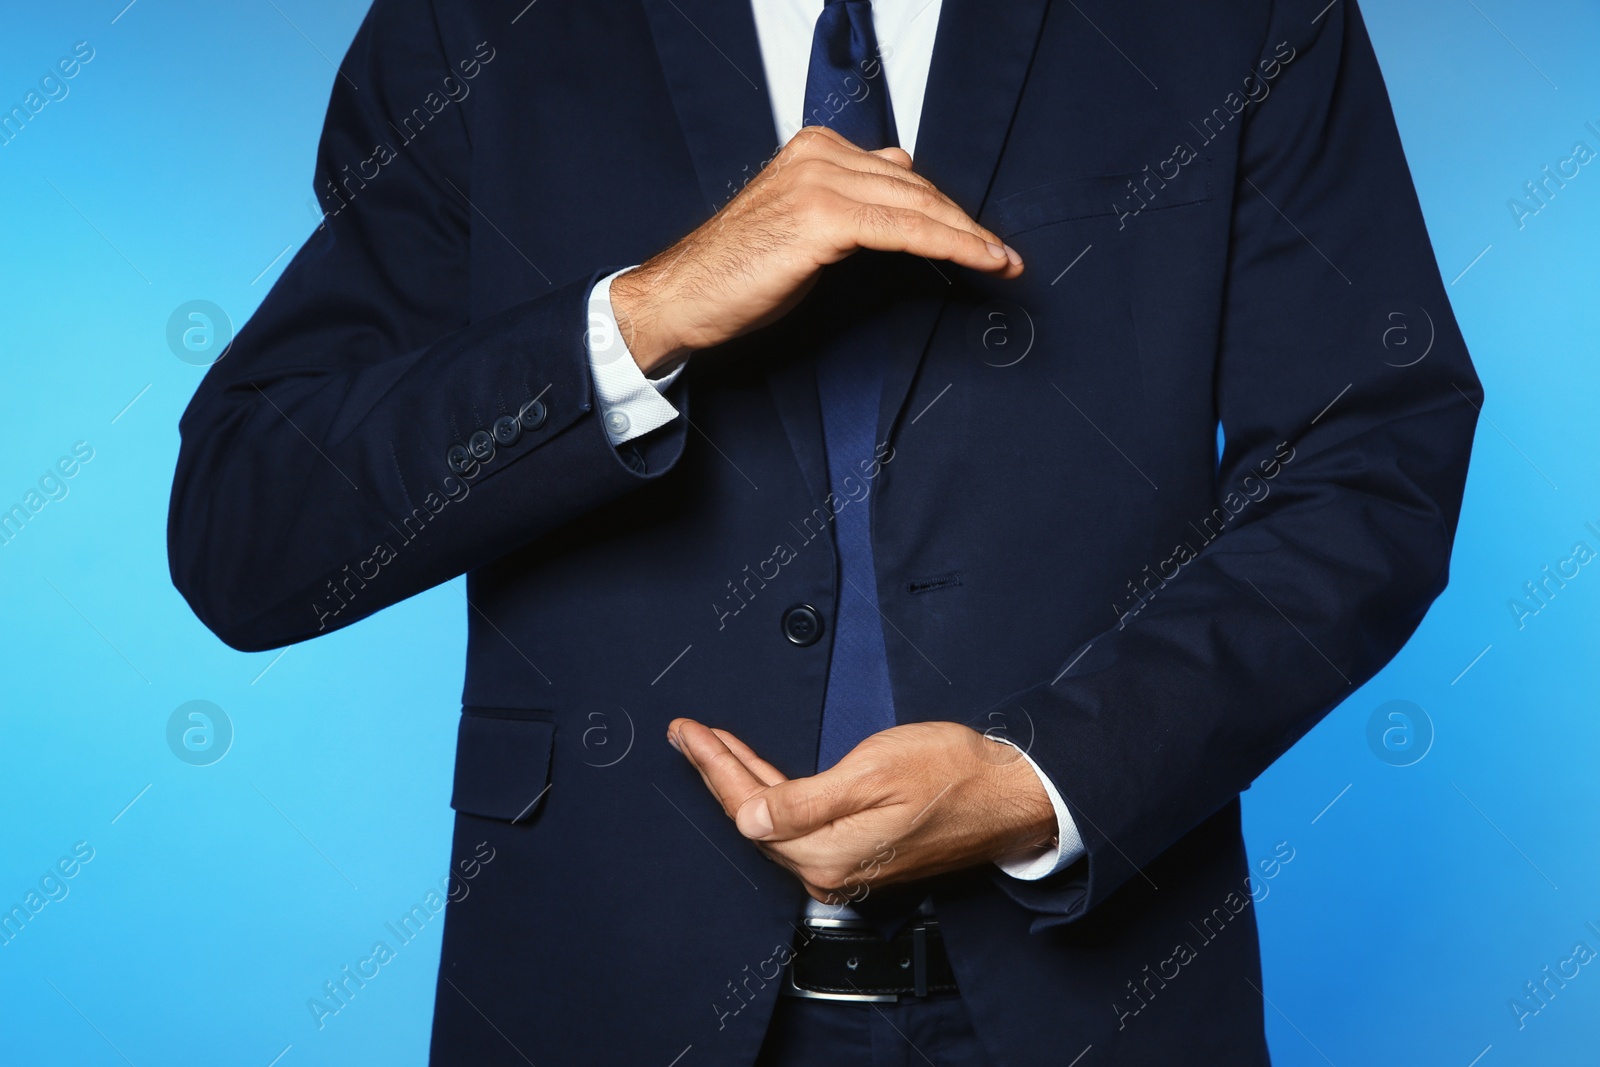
column 909, row 802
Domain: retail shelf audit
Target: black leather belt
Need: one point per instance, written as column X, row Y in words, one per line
column 850, row 961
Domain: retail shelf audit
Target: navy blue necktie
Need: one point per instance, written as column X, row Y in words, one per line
column 847, row 92
column 845, row 87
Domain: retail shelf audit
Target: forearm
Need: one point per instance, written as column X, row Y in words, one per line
column 305, row 500
column 1336, row 497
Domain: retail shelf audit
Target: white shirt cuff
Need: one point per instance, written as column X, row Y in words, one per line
column 631, row 405
column 1040, row 863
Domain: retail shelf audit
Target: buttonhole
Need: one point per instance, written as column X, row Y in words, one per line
column 928, row 585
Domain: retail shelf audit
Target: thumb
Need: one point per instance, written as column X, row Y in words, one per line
column 803, row 805
column 894, row 155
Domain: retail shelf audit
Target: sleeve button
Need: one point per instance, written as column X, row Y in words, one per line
column 531, row 415
column 459, row 459
column 507, row 430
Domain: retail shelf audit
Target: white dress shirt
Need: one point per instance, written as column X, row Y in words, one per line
column 632, row 404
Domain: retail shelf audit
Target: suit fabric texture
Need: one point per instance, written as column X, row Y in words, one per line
column 1219, row 226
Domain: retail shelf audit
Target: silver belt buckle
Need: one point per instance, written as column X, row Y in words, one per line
column 788, row 988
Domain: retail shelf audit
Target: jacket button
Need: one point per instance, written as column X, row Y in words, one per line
column 802, row 625
column 481, row 445
column 531, row 415
column 459, row 459
column 506, row 431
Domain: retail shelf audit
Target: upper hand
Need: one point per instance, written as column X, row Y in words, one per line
column 819, row 200
column 909, row 802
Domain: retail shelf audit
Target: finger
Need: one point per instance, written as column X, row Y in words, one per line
column 893, row 229
column 673, row 737
column 757, row 766
column 885, row 183
column 829, row 142
column 820, row 145
column 885, row 162
column 816, row 145
column 888, row 162
column 898, row 156
column 802, row 806
column 819, row 142
column 902, row 192
column 724, row 774
column 812, row 140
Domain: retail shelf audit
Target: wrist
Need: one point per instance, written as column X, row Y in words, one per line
column 648, row 333
column 1025, row 804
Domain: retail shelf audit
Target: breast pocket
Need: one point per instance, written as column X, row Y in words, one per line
column 502, row 763
column 1092, row 196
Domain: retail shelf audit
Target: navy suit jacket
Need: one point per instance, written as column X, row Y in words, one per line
column 1219, row 226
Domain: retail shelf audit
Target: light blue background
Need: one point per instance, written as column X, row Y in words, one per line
column 1416, row 906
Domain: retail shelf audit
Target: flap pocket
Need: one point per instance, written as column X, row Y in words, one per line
column 502, row 763
column 1087, row 197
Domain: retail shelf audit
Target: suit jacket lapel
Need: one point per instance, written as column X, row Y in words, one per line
column 981, row 56
column 711, row 58
column 712, row 61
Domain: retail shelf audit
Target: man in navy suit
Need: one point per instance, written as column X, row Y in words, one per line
column 822, row 402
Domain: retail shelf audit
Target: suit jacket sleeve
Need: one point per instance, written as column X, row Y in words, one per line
column 1167, row 716
column 314, row 482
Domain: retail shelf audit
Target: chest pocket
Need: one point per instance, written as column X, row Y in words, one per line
column 1096, row 195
